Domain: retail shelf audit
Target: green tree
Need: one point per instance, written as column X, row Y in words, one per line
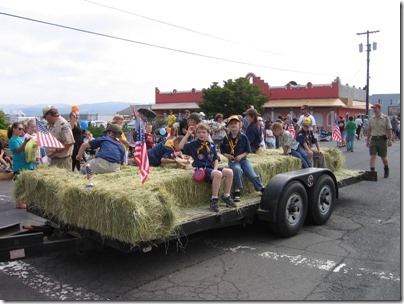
column 3, row 121
column 235, row 97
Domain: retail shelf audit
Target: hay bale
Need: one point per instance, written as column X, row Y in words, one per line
column 334, row 159
column 118, row 206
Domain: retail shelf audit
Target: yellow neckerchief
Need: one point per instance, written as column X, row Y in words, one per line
column 232, row 143
column 205, row 144
column 308, row 138
column 169, row 143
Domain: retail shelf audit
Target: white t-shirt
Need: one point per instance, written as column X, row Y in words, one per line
column 313, row 121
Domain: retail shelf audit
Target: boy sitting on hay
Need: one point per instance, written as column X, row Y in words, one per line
column 235, row 147
column 111, row 153
column 206, row 162
column 165, row 153
column 288, row 143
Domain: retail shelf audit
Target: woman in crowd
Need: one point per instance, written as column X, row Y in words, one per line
column 17, row 143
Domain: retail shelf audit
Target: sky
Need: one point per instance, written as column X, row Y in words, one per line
column 182, row 44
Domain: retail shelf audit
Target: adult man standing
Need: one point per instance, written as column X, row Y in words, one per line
column 61, row 130
column 306, row 113
column 379, row 137
column 359, row 123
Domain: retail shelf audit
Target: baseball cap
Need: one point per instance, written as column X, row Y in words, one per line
column 195, row 116
column 114, row 128
column 202, row 114
column 252, row 112
column 233, row 117
column 306, row 122
column 47, row 109
column 376, row 105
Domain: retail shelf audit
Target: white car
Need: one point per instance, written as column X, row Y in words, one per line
column 98, row 123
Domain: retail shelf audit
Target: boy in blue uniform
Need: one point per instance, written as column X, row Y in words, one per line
column 235, row 147
column 254, row 131
column 111, row 152
column 306, row 139
column 164, row 152
column 205, row 156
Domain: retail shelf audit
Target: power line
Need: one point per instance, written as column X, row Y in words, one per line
column 177, row 26
column 155, row 46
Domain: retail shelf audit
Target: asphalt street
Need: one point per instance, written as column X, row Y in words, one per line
column 355, row 256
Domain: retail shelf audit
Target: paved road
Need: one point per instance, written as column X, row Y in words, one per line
column 354, row 256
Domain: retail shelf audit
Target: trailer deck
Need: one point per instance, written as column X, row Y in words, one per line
column 17, row 241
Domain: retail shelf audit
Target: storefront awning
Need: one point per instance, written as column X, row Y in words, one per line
column 294, row 103
column 175, row 106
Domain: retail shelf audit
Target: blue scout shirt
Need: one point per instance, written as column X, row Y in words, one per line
column 158, row 152
column 111, row 150
column 239, row 144
column 198, row 150
column 306, row 137
column 254, row 135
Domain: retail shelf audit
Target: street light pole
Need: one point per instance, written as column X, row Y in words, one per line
column 367, row 63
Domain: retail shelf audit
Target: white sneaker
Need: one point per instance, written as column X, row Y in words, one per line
column 8, row 169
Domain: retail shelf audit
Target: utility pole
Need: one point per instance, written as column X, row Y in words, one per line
column 367, row 62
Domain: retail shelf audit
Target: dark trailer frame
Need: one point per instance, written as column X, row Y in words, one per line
column 289, row 200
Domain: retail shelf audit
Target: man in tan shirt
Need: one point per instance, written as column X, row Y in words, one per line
column 379, row 137
column 60, row 128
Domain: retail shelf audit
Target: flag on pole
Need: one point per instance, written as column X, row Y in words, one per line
column 291, row 128
column 46, row 139
column 140, row 156
column 336, row 133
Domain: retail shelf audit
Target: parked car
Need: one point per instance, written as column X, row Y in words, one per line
column 98, row 123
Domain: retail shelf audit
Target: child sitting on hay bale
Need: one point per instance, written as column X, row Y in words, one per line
column 165, row 153
column 306, row 139
column 288, row 143
column 235, row 147
column 205, row 158
column 111, row 153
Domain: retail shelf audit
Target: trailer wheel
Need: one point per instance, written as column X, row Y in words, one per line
column 292, row 210
column 322, row 200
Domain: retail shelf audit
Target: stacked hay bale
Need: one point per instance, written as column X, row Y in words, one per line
column 118, row 206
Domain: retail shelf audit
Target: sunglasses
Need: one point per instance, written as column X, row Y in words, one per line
column 20, row 129
column 303, row 109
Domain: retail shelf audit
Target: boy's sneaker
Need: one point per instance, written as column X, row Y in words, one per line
column 8, row 169
column 237, row 195
column 213, row 205
column 262, row 189
column 229, row 201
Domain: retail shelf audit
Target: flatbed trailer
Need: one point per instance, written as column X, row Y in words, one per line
column 289, row 200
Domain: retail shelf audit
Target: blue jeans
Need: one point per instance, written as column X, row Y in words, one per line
column 350, row 138
column 305, row 157
column 241, row 167
column 298, row 154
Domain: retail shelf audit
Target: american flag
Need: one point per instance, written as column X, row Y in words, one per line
column 336, row 133
column 44, row 138
column 140, row 156
column 291, row 128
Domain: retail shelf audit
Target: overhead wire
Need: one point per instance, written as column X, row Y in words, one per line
column 178, row 26
column 154, row 45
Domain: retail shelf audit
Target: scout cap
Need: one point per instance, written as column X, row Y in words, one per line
column 115, row 128
column 233, row 117
column 306, row 122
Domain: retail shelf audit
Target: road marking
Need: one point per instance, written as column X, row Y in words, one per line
column 31, row 277
column 326, row 265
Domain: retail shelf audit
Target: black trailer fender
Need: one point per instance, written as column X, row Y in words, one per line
column 308, row 177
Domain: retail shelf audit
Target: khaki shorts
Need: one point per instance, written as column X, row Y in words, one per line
column 65, row 163
column 378, row 146
column 99, row 165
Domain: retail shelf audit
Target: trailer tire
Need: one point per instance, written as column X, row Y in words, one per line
column 321, row 201
column 292, row 210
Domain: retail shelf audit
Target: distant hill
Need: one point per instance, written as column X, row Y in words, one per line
column 91, row 108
